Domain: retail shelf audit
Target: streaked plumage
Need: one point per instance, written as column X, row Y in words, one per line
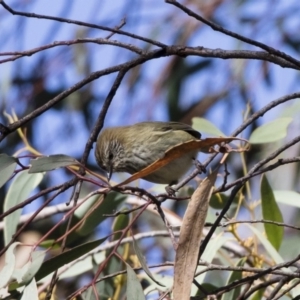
column 132, row 148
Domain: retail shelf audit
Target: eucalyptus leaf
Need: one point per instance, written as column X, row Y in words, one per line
column 30, row 292
column 9, row 265
column 37, row 258
column 204, row 126
column 19, row 190
column 6, row 160
column 235, row 275
column 295, row 290
column 270, row 132
column 134, row 290
column 187, row 252
column 96, row 208
column 143, row 262
column 259, row 294
column 51, row 162
column 209, row 254
column 271, row 212
column 291, row 110
column 287, row 197
column 273, row 253
column 7, row 167
column 165, row 280
column 89, row 294
column 66, row 257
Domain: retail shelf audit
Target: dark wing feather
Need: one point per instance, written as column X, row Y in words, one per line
column 165, row 126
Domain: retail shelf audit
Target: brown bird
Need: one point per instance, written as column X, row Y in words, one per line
column 132, row 148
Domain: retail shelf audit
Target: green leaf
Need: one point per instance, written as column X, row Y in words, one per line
column 291, row 110
column 9, row 265
column 115, row 264
column 19, row 190
column 108, row 206
column 235, row 275
column 37, row 258
column 27, row 272
column 51, row 162
column 166, row 280
column 295, row 291
column 210, row 252
column 6, row 160
column 218, row 201
column 143, row 262
column 259, row 294
column 7, row 167
column 49, row 243
column 30, row 292
column 134, row 290
column 83, row 266
column 89, row 294
column 271, row 212
column 268, row 246
column 204, row 126
column 270, row 132
column 208, row 287
column 288, row 197
column 119, row 224
column 66, row 257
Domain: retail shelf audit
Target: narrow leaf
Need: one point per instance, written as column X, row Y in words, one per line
column 30, row 292
column 9, row 265
column 295, row 291
column 94, row 211
column 273, row 253
column 204, row 126
column 218, row 201
column 210, row 252
column 288, row 197
column 290, row 110
column 270, row 132
column 7, row 167
column 271, row 212
column 6, row 160
column 235, row 275
column 205, row 287
column 190, row 238
column 89, row 294
column 58, row 261
column 51, row 162
column 83, row 266
column 259, row 294
column 134, row 290
column 19, row 190
column 143, row 262
column 37, row 258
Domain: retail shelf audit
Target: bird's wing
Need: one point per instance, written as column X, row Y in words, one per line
column 165, row 126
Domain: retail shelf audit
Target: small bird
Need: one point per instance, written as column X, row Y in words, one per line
column 132, row 148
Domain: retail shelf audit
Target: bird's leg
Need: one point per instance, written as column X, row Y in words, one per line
column 170, row 191
column 199, row 166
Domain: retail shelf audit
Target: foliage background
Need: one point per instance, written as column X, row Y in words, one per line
column 175, row 87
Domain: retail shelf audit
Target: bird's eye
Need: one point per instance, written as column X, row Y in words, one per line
column 110, row 156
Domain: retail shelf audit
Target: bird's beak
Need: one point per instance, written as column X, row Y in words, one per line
column 109, row 173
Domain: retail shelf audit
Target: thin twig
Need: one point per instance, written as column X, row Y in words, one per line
column 235, row 35
column 90, row 25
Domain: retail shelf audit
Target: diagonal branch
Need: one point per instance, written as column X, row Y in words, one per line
column 242, row 38
column 80, row 23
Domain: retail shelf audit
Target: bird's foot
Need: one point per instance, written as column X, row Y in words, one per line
column 170, row 191
column 199, row 166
